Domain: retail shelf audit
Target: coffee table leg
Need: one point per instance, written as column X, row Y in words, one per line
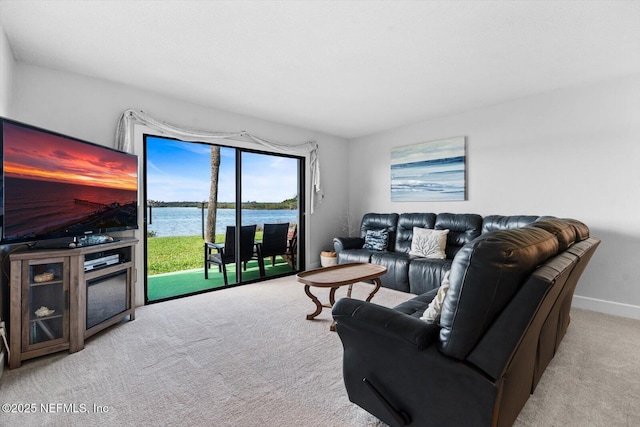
column 332, row 301
column 332, row 296
column 378, row 283
column 307, row 291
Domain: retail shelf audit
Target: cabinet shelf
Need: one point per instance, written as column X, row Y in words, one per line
column 53, row 316
column 102, row 271
column 50, row 282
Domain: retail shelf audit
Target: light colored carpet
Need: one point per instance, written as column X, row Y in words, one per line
column 246, row 357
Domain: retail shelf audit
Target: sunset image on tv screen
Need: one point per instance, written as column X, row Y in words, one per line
column 55, row 185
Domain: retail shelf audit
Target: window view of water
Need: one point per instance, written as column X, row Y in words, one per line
column 188, row 221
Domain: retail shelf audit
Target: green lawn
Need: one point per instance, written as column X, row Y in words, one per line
column 177, row 253
column 185, row 282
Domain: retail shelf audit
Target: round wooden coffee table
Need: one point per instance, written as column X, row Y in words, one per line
column 336, row 276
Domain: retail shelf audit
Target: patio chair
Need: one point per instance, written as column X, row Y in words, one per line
column 274, row 243
column 226, row 252
column 292, row 247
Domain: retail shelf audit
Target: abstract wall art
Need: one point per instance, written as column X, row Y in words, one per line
column 429, row 171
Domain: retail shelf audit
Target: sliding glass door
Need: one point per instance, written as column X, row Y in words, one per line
column 191, row 248
column 270, row 200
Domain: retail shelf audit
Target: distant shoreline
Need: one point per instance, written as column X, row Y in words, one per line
column 290, row 204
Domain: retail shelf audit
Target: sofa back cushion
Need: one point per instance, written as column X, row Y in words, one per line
column 581, row 229
column 500, row 222
column 463, row 228
column 376, row 221
column 485, row 275
column 564, row 232
column 406, row 222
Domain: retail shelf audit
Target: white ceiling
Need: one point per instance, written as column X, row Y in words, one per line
column 347, row 68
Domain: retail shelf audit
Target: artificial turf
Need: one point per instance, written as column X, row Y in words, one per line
column 168, row 285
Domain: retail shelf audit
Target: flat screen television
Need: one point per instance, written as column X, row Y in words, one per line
column 55, row 186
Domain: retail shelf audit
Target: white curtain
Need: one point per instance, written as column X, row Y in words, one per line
column 129, row 118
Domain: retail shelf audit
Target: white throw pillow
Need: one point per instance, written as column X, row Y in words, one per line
column 432, row 313
column 429, row 243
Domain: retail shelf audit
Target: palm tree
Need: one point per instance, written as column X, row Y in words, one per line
column 210, row 234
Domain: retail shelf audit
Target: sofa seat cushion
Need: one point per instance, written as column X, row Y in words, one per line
column 426, row 274
column 397, row 275
column 485, row 275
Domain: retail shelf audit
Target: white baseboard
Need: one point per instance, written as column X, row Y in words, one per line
column 608, row 307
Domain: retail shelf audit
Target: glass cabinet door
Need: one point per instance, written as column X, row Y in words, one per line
column 47, row 303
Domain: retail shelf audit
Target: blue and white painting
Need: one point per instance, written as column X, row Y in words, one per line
column 429, row 171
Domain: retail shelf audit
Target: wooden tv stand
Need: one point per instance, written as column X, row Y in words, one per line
column 50, row 290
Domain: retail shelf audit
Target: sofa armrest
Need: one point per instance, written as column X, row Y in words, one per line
column 341, row 243
column 383, row 321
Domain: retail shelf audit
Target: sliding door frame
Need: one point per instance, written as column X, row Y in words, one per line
column 240, row 148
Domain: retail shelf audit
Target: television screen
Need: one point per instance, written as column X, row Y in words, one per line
column 57, row 186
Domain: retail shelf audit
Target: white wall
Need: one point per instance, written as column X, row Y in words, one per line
column 6, row 75
column 88, row 108
column 569, row 153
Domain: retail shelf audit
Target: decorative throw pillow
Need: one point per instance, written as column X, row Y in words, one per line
column 376, row 240
column 429, row 243
column 432, row 313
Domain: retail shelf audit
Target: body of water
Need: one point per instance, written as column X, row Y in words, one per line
column 188, row 221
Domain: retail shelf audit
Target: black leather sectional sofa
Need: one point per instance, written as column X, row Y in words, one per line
column 504, row 315
column 413, row 274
